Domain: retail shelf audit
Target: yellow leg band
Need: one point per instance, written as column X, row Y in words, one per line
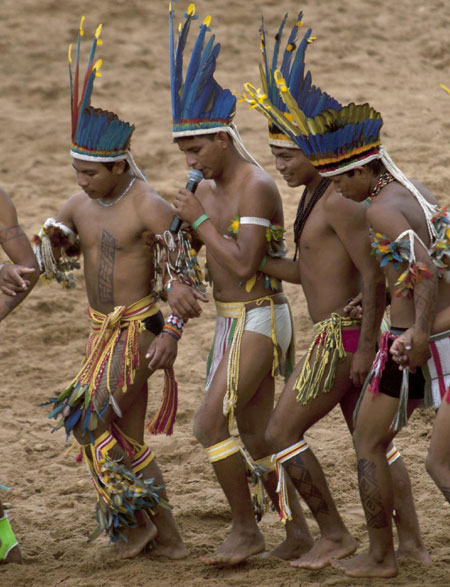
column 223, row 450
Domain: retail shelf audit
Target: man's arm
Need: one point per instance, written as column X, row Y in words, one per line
column 243, row 255
column 17, row 247
column 391, row 222
column 283, row 269
column 348, row 220
column 157, row 215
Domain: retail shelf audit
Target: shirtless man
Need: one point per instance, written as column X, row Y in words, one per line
column 235, row 211
column 105, row 405
column 334, row 261
column 20, row 274
column 405, row 227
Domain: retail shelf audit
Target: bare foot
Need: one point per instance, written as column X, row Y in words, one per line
column 418, row 553
column 324, row 550
column 365, row 565
column 289, row 549
column 173, row 551
column 135, row 539
column 237, row 547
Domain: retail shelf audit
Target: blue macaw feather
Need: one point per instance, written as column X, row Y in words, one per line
column 177, row 79
column 204, row 83
column 276, row 46
column 288, row 53
column 194, row 62
column 295, row 77
column 263, row 37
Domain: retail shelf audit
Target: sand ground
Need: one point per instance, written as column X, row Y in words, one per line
column 394, row 54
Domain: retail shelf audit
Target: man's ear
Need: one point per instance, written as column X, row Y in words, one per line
column 360, row 170
column 223, row 139
column 119, row 167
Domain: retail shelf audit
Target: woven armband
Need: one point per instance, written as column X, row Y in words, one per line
column 174, row 326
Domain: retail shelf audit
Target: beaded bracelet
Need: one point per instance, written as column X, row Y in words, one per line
column 168, row 285
column 174, row 326
column 199, row 221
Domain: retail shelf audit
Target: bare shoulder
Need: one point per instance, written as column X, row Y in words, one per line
column 154, row 211
column 340, row 210
column 259, row 195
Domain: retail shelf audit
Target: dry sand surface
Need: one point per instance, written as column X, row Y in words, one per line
column 394, row 54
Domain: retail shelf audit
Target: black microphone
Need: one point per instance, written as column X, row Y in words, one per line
column 194, row 178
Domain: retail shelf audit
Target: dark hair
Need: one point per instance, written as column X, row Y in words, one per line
column 375, row 167
column 110, row 164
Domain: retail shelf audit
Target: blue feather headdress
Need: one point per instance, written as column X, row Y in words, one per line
column 342, row 140
column 287, row 120
column 97, row 135
column 199, row 104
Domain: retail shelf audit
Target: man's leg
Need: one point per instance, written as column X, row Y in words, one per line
column 168, row 541
column 212, row 431
column 252, row 420
column 132, row 539
column 438, row 459
column 410, row 542
column 9, row 548
column 286, row 430
column 372, row 436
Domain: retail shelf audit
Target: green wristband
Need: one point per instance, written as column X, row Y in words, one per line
column 199, row 221
column 263, row 262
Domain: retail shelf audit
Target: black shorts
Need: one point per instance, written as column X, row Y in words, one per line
column 154, row 323
column 391, row 379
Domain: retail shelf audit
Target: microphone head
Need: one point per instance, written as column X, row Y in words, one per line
column 195, row 175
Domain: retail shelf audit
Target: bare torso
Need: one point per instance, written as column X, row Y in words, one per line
column 329, row 276
column 222, row 207
column 118, row 266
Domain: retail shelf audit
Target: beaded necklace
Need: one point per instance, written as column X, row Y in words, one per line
column 384, row 179
column 122, row 195
column 303, row 211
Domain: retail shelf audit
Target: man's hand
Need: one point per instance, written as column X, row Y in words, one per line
column 13, row 278
column 361, row 364
column 410, row 350
column 162, row 352
column 183, row 302
column 354, row 307
column 187, row 206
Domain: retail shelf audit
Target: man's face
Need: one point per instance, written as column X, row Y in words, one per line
column 96, row 180
column 203, row 154
column 355, row 187
column 293, row 165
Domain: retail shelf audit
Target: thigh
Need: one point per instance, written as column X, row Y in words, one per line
column 375, row 416
column 440, row 437
column 298, row 417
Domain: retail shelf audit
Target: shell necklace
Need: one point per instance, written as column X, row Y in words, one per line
column 122, row 195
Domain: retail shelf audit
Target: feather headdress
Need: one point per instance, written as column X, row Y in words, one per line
column 97, row 135
column 199, row 103
column 287, row 120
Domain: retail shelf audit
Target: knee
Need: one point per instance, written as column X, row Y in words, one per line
column 278, row 438
column 207, row 430
column 367, row 442
column 433, row 467
column 80, row 435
